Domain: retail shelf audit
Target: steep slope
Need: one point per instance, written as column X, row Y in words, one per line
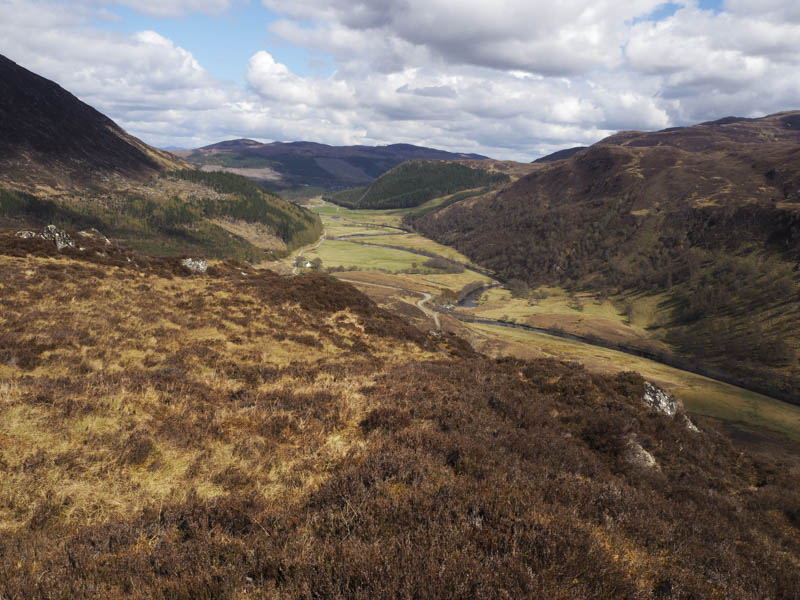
column 311, row 164
column 560, row 155
column 415, row 182
column 64, row 163
column 237, row 434
column 709, row 215
column 50, row 140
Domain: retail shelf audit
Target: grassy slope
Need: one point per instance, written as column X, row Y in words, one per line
column 416, row 182
column 186, row 212
column 163, row 435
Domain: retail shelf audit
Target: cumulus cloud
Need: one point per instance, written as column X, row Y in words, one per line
column 705, row 65
column 512, row 78
column 553, row 38
column 601, row 65
column 779, row 11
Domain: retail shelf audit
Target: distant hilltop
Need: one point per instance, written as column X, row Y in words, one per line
column 290, row 164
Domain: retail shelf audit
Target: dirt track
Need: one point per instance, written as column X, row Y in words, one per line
column 426, row 297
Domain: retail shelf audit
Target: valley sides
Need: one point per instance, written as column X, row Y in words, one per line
column 369, row 249
column 443, row 390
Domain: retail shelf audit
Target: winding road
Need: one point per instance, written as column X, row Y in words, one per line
column 426, row 297
column 675, row 362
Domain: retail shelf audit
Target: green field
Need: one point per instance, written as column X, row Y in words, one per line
column 346, row 254
column 415, row 241
column 392, row 217
column 340, row 227
column 339, row 221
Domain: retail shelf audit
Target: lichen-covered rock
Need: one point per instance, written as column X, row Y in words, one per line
column 660, row 400
column 94, row 234
column 195, row 265
column 58, row 236
column 665, row 403
column 637, row 456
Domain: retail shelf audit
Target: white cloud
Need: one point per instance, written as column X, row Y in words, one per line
column 564, row 37
column 512, row 79
column 737, row 62
column 778, row 11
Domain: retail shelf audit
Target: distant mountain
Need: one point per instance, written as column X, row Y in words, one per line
column 62, row 162
column 50, row 139
column 292, row 164
column 414, row 182
column 560, row 155
column 706, row 218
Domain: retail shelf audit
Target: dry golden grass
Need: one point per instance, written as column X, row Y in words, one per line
column 257, row 234
column 579, row 313
column 121, row 388
column 240, row 434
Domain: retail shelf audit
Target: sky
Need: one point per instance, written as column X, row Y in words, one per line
column 511, row 79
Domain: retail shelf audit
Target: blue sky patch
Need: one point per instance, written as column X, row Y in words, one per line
column 668, row 9
column 222, row 44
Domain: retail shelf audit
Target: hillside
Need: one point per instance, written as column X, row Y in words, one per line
column 52, row 142
column 235, row 434
column 415, row 182
column 560, row 155
column 706, row 218
column 64, row 163
column 286, row 165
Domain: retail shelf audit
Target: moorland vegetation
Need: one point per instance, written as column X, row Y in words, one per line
column 171, row 435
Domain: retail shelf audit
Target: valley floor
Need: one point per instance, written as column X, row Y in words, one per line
column 370, row 249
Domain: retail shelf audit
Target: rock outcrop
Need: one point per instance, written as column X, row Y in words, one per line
column 94, row 234
column 662, row 401
column 51, row 233
column 636, row 456
column 195, row 265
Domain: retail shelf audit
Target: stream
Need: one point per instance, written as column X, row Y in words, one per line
column 676, row 362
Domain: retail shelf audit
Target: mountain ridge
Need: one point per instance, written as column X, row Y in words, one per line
column 304, row 163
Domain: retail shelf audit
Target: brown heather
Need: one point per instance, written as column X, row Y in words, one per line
column 239, row 434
